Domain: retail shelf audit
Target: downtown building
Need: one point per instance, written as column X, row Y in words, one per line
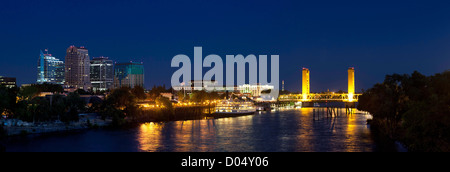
column 8, row 82
column 254, row 90
column 102, row 74
column 128, row 75
column 207, row 85
column 50, row 70
column 77, row 68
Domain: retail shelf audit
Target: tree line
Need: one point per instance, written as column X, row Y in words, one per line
column 25, row 103
column 413, row 109
column 199, row 96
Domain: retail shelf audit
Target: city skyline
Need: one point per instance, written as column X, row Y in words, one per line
column 377, row 39
column 82, row 72
column 242, row 77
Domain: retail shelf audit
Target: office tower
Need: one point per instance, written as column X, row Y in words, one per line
column 8, row 82
column 77, row 68
column 102, row 74
column 305, row 83
column 128, row 75
column 50, row 69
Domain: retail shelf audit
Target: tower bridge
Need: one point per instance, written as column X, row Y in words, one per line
column 350, row 98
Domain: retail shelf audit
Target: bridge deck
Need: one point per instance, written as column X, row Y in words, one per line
column 317, row 97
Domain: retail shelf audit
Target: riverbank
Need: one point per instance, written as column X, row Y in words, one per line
column 384, row 142
column 24, row 130
column 14, row 127
column 273, row 131
column 43, row 129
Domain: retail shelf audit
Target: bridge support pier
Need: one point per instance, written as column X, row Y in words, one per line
column 350, row 104
column 307, row 104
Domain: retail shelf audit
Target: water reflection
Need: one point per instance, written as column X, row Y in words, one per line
column 282, row 131
column 180, row 136
column 150, row 136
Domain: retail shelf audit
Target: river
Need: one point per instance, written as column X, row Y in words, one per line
column 292, row 130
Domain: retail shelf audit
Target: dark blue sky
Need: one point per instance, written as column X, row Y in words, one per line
column 375, row 37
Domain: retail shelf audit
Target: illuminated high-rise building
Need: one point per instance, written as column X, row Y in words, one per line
column 77, row 68
column 50, row 69
column 102, row 74
column 305, row 83
column 351, row 83
column 128, row 75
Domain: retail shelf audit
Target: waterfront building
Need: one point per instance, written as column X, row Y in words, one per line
column 254, row 90
column 8, row 82
column 102, row 74
column 26, row 85
column 167, row 95
column 204, row 84
column 207, row 85
column 50, row 69
column 77, row 68
column 128, row 75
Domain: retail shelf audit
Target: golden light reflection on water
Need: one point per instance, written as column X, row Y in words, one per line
column 193, row 135
column 350, row 133
column 340, row 133
column 180, row 136
column 149, row 136
column 292, row 130
column 356, row 127
column 304, row 140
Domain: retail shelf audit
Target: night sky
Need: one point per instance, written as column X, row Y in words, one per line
column 375, row 37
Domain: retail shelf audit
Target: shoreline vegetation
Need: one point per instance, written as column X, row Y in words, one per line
column 411, row 109
column 160, row 115
column 25, row 112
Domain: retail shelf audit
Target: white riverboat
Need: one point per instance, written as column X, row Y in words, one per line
column 228, row 108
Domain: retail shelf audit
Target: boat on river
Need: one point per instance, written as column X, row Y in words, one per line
column 231, row 108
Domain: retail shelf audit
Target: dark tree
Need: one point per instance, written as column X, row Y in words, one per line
column 139, row 92
column 413, row 109
column 7, row 100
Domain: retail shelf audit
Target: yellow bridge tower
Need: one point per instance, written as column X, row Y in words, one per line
column 351, row 83
column 305, row 83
